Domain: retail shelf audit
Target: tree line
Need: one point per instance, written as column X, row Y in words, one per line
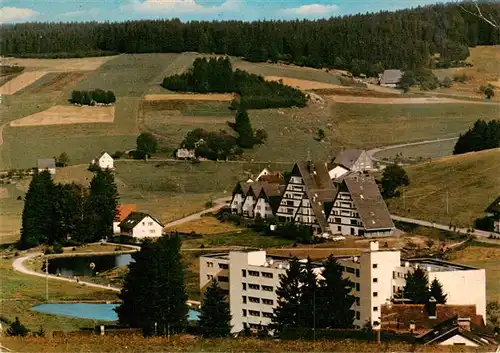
column 219, row 145
column 216, row 75
column 92, row 97
column 54, row 213
column 401, row 39
column 481, row 136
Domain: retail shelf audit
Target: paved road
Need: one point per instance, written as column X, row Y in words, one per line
column 477, row 232
column 219, row 203
column 374, row 151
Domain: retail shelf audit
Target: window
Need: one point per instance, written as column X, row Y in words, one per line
column 349, row 270
column 357, row 287
column 258, row 208
column 244, row 299
column 264, row 314
column 289, row 203
column 150, row 223
column 289, row 210
column 210, row 277
column 354, row 222
column 374, row 265
column 253, row 286
column 152, row 230
column 338, row 220
column 223, row 279
column 358, row 315
column 375, row 280
column 267, row 288
column 393, row 274
column 267, row 274
column 254, row 300
column 357, row 272
column 375, row 308
column 357, row 301
column 244, row 312
column 253, row 273
column 210, row 264
column 339, row 228
column 254, row 313
column 267, row 301
column 244, row 286
column 375, row 294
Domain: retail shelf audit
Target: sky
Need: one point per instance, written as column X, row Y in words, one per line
column 15, row 11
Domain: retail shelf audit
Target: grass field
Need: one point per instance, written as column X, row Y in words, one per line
column 429, row 150
column 21, row 292
column 471, row 182
column 487, row 258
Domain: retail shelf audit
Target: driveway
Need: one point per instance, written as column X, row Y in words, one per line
column 219, row 203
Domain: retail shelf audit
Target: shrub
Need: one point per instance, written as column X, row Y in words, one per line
column 209, row 204
column 17, row 329
column 446, row 82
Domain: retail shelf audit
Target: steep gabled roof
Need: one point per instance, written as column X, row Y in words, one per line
column 134, row 218
column 368, row 201
column 46, row 163
column 494, row 207
column 242, row 188
column 272, row 194
column 275, row 178
column 100, row 155
column 348, row 158
column 318, row 187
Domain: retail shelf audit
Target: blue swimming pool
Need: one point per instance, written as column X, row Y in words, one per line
column 102, row 312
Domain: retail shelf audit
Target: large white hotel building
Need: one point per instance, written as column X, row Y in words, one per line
column 250, row 279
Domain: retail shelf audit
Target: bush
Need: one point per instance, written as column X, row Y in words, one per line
column 17, row 329
column 117, row 155
column 209, row 204
column 446, row 82
column 92, row 97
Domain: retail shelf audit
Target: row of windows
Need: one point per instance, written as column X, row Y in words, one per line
column 256, row 313
column 257, row 287
column 256, row 300
column 256, row 274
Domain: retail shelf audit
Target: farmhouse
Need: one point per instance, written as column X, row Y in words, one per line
column 493, row 211
column 251, row 278
column 184, row 153
column 308, row 196
column 359, row 208
column 122, row 212
column 353, row 160
column 141, row 225
column 47, row 164
column 103, row 161
column 390, row 78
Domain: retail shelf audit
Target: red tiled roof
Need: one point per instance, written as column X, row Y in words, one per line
column 123, row 210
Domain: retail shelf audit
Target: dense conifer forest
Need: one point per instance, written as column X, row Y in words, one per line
column 403, row 39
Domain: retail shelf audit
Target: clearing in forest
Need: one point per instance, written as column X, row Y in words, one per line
column 19, row 82
column 62, row 115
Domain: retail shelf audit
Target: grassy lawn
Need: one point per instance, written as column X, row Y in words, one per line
column 204, row 225
column 483, row 257
column 471, row 181
column 429, row 150
column 21, row 292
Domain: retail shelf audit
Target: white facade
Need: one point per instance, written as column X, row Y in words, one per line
column 264, row 171
column 147, row 228
column 458, row 340
column 344, row 217
column 364, row 162
column 116, row 227
column 263, row 208
column 105, row 161
column 294, row 204
column 237, row 203
column 251, row 279
column 248, row 205
column 51, row 170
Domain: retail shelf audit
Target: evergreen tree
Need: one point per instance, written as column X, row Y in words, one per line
column 335, row 299
column 147, row 143
column 436, row 291
column 308, row 295
column 38, row 212
column 215, row 316
column 244, row 129
column 393, row 177
column 17, row 329
column 153, row 295
column 63, row 159
column 416, row 288
column 100, row 207
column 286, row 314
column 69, row 211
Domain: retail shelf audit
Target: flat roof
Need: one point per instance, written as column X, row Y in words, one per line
column 439, row 265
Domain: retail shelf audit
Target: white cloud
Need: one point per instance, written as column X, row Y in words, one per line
column 16, row 14
column 312, row 10
column 80, row 13
column 174, row 7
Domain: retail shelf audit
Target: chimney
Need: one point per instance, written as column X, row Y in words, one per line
column 464, row 323
column 431, row 308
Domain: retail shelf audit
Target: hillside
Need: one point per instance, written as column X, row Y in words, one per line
column 471, row 181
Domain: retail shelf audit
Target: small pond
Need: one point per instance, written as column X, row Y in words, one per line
column 86, row 265
column 101, row 312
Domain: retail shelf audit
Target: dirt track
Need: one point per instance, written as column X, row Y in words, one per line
column 62, row 115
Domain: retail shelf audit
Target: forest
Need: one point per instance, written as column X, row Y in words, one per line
column 215, row 75
column 482, row 136
column 402, row 39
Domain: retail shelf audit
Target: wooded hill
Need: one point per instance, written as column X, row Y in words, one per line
column 402, row 39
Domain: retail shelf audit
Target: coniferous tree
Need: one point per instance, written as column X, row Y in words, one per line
column 416, row 288
column 38, row 212
column 215, row 316
column 393, row 177
column 436, row 291
column 286, row 314
column 335, row 299
column 308, row 296
column 69, row 211
column 153, row 295
column 243, row 127
column 147, row 143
